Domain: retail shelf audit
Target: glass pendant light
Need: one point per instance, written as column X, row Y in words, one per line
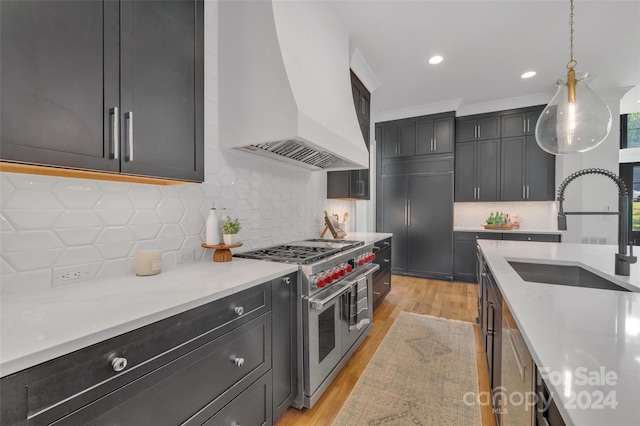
column 576, row 119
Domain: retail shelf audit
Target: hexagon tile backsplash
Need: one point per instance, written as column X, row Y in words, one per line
column 49, row 222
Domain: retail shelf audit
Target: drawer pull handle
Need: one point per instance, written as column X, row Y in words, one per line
column 385, row 260
column 385, row 283
column 239, row 310
column 375, row 293
column 387, row 243
column 118, row 364
column 239, row 362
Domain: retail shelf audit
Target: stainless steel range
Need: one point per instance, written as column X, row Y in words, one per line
column 336, row 306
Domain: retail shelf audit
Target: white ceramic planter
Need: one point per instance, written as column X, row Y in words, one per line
column 230, row 238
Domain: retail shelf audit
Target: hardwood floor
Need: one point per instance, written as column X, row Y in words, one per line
column 445, row 299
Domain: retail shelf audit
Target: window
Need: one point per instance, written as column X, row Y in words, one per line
column 630, row 130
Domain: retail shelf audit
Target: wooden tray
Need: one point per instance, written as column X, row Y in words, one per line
column 507, row 226
column 222, row 252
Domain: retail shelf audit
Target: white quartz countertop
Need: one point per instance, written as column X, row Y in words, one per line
column 582, row 336
column 511, row 231
column 368, row 237
column 37, row 327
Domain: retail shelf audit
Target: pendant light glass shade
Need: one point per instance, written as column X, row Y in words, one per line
column 573, row 123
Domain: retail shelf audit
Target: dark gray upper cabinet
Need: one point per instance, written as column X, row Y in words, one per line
column 406, row 138
column 429, row 134
column 434, row 136
column 479, row 127
column 520, row 123
column 478, row 170
column 354, row 184
column 105, row 85
column 398, row 138
column 508, row 167
column 59, row 67
column 527, row 172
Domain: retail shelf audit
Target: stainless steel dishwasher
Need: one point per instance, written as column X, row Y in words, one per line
column 517, row 396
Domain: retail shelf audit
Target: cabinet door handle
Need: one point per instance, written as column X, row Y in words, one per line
column 238, row 310
column 118, row 364
column 527, row 191
column 524, row 126
column 435, row 144
column 478, row 193
column 115, row 131
column 286, row 280
column 361, row 187
column 528, row 125
column 523, row 192
column 128, row 123
column 405, row 212
column 409, row 212
column 479, row 131
column 475, row 132
column 239, row 362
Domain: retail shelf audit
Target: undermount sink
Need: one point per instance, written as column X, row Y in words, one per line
column 570, row 275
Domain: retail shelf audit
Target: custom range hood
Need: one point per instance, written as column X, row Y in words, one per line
column 284, row 84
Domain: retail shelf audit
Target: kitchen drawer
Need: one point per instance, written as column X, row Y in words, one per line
column 549, row 238
column 381, row 286
column 201, row 381
column 58, row 387
column 251, row 407
column 382, row 249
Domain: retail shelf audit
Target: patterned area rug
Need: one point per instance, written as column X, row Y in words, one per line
column 418, row 376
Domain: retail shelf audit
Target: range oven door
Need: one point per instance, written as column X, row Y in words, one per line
column 357, row 306
column 322, row 339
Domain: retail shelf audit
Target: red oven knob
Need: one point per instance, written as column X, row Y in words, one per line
column 342, row 272
column 321, row 282
column 349, row 268
column 335, row 275
column 328, row 278
column 373, row 256
column 360, row 262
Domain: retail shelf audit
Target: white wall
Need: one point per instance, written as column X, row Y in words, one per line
column 49, row 222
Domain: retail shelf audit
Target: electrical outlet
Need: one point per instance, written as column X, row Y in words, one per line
column 70, row 274
column 184, row 256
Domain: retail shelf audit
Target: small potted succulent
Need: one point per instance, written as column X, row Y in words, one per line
column 230, row 230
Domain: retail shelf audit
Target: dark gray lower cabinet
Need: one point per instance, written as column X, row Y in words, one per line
column 464, row 259
column 284, row 343
column 206, row 364
column 464, row 253
column 415, row 202
column 493, row 336
column 382, row 277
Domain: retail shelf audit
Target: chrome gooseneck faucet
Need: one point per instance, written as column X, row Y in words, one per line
column 623, row 261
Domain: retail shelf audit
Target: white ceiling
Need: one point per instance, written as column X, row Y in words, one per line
column 487, row 45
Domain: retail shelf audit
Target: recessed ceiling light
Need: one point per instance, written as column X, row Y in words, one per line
column 528, row 74
column 436, row 59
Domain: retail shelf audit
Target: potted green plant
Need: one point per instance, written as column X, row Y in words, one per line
column 230, row 230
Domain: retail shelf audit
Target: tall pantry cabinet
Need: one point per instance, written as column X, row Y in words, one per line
column 415, row 202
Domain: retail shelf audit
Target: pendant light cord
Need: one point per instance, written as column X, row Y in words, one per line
column 572, row 62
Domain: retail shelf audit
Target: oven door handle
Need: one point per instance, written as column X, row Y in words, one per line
column 365, row 270
column 319, row 304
